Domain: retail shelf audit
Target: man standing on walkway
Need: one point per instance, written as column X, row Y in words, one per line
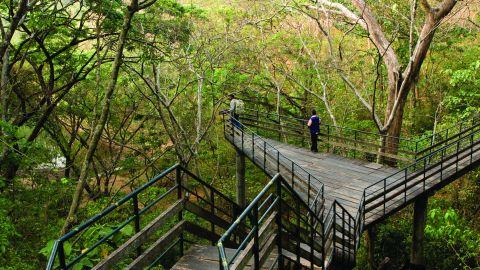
column 236, row 108
column 314, row 126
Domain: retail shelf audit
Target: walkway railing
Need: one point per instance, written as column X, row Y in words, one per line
column 433, row 169
column 357, row 143
column 282, row 226
column 272, row 161
column 438, row 160
column 340, row 140
column 175, row 184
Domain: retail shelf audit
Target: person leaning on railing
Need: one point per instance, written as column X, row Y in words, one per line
column 314, row 126
column 236, row 108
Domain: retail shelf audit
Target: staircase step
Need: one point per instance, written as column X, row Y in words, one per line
column 201, row 257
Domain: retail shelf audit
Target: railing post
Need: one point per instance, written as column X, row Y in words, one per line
column 355, row 139
column 212, row 211
column 364, row 206
column 424, row 172
column 256, row 251
column 178, row 180
column 309, row 190
column 278, row 190
column 232, row 125
column 456, row 161
column 257, row 124
column 405, row 192
column 61, row 256
column 253, row 147
column 312, row 237
column 297, row 231
column 264, row 155
column 137, row 221
column 334, row 240
column 328, row 138
column 384, row 194
column 343, row 235
column 471, row 147
column 278, row 161
column 293, row 174
column 243, row 140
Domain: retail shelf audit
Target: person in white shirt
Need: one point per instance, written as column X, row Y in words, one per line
column 233, row 110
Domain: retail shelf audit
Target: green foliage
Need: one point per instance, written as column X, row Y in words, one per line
column 7, row 228
column 447, row 233
column 450, row 241
column 464, row 98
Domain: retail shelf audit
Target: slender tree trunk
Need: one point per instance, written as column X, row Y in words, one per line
column 97, row 132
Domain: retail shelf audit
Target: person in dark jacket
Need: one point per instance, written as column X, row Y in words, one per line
column 314, row 126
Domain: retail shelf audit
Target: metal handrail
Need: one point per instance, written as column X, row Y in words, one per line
column 420, row 169
column 58, row 249
column 312, row 202
column 252, row 211
column 354, row 138
column 414, row 145
column 433, row 149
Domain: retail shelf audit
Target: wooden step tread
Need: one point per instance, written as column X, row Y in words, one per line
column 200, row 257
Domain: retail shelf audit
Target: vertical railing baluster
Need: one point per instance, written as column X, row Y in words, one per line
column 406, row 177
column 61, row 256
column 384, row 194
column 334, row 226
column 424, row 172
column 471, row 148
column 264, row 155
column 355, row 139
column 297, row 231
column 212, row 211
column 311, row 225
column 253, row 147
column 456, row 162
column 256, row 251
column 293, row 174
column 136, row 220
column 309, row 190
column 278, row 161
column 243, row 140
column 278, row 190
column 343, row 234
column 178, row 180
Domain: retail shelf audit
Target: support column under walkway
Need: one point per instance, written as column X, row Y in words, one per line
column 240, row 177
column 417, row 256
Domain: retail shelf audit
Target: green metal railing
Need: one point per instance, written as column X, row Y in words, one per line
column 178, row 182
column 278, row 218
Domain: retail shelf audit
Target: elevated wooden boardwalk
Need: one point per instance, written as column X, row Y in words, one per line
column 348, row 193
column 310, row 215
column 344, row 179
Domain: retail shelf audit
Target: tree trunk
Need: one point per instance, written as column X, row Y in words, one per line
column 100, row 125
column 393, row 133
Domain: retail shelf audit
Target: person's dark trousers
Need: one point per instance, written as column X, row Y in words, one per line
column 314, row 144
column 235, row 120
